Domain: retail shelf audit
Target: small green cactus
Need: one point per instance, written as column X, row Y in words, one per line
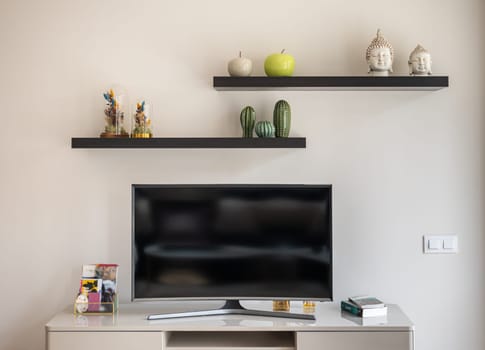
column 248, row 119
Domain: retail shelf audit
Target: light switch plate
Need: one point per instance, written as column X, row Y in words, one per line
column 449, row 243
column 440, row 244
column 435, row 244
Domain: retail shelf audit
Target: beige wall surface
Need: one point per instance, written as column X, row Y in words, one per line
column 403, row 164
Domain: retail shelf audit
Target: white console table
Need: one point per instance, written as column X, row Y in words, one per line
column 129, row 330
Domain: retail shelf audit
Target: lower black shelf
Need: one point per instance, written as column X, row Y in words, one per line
column 189, row 142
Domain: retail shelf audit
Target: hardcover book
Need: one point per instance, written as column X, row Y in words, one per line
column 365, row 321
column 348, row 306
column 92, row 287
column 108, row 273
column 366, row 302
column 89, row 271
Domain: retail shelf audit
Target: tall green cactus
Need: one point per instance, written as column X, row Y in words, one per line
column 248, row 119
column 282, row 118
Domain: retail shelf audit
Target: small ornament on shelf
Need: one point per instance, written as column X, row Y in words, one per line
column 240, row 66
column 265, row 129
column 114, row 115
column 282, row 118
column 309, row 306
column 248, row 119
column 142, row 121
column 281, row 305
column 380, row 56
column 420, row 61
column 279, row 65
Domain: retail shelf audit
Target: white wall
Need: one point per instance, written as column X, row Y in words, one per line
column 403, row 164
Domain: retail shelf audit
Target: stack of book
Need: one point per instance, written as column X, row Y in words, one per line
column 364, row 306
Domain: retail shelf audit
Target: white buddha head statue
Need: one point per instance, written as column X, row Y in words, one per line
column 419, row 61
column 380, row 55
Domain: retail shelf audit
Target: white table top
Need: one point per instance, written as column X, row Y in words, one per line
column 132, row 317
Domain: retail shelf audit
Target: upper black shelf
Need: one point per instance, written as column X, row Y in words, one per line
column 332, row 83
column 189, row 142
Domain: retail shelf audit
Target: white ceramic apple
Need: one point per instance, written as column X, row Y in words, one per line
column 240, row 66
column 279, row 65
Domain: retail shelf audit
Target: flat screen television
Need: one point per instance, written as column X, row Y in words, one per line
column 231, row 242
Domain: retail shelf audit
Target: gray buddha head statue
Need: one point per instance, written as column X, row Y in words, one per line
column 420, row 61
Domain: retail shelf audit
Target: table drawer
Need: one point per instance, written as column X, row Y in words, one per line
column 373, row 340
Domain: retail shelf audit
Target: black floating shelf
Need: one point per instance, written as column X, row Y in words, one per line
column 189, row 142
column 335, row 83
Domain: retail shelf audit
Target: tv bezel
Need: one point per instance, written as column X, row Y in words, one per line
column 135, row 186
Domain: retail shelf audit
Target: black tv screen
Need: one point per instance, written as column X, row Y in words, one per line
column 232, row 242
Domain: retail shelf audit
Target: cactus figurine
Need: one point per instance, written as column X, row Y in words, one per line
column 265, row 129
column 282, row 118
column 248, row 119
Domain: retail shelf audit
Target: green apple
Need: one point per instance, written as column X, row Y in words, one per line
column 279, row 65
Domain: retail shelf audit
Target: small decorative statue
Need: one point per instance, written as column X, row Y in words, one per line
column 113, row 116
column 420, row 62
column 240, row 66
column 379, row 56
column 141, row 122
column 248, row 119
column 265, row 129
column 282, row 118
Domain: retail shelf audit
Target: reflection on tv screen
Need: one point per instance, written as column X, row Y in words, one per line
column 222, row 241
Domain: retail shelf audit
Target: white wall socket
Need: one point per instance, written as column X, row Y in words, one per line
column 440, row 244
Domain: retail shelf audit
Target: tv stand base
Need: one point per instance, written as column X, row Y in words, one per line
column 231, row 307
